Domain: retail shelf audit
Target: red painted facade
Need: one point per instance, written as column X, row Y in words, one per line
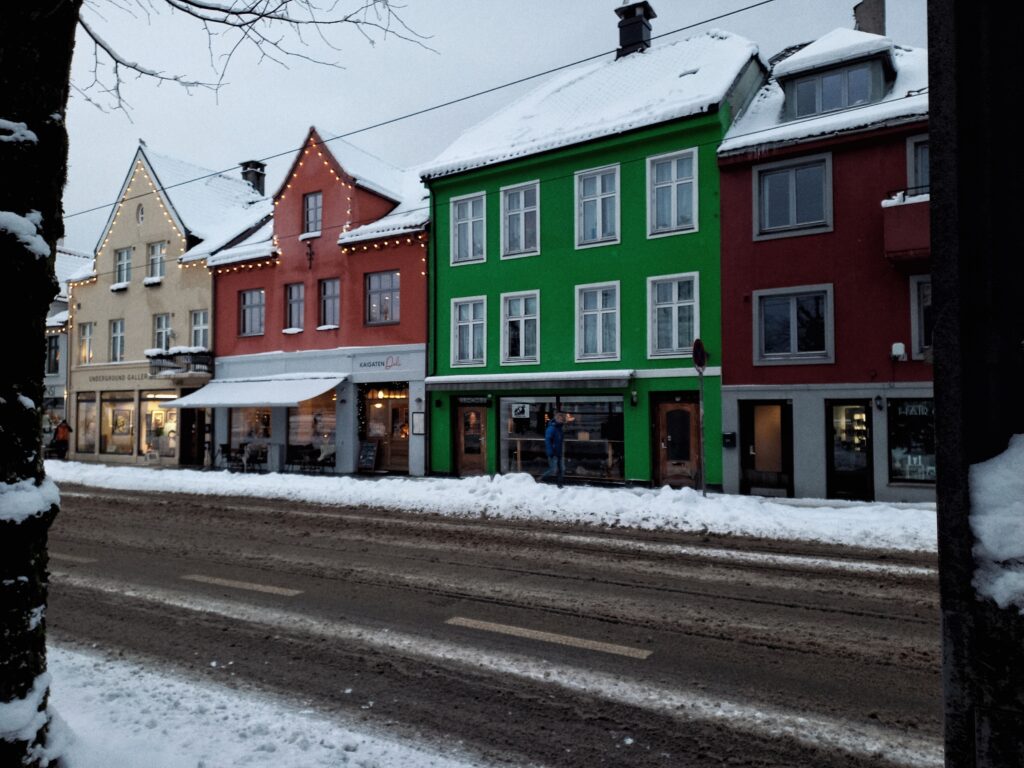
column 311, row 259
column 872, row 304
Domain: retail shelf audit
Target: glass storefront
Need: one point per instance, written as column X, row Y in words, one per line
column 158, row 426
column 85, row 428
column 311, row 429
column 117, row 422
column 384, row 420
column 912, row 440
column 593, row 435
column 249, row 425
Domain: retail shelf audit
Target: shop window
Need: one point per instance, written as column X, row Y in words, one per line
column 593, row 445
column 249, row 425
column 85, row 426
column 311, row 430
column 117, row 422
column 911, row 440
column 158, row 433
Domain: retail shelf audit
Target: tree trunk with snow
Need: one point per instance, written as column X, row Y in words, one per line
column 36, row 42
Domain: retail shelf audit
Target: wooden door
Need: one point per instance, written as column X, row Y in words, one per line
column 471, row 440
column 677, row 438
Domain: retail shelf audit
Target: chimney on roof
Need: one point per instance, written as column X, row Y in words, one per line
column 869, row 16
column 254, row 172
column 634, row 27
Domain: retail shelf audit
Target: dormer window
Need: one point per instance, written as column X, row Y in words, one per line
column 834, row 89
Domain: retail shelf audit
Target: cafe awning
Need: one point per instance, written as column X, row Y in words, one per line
column 268, row 391
column 596, row 379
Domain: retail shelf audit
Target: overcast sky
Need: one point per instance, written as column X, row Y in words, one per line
column 470, row 45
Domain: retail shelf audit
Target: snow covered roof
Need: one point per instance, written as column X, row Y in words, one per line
column 57, row 319
column 369, row 171
column 207, row 204
column 762, row 123
column 411, row 214
column 603, row 98
column 258, row 245
column 255, row 222
column 67, row 264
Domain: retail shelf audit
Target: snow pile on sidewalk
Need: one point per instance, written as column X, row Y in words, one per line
column 908, row 527
column 117, row 714
column 997, row 519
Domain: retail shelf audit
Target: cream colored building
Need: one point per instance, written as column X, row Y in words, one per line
column 141, row 319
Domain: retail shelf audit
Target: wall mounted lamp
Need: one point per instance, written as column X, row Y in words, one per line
column 633, row 399
column 879, row 403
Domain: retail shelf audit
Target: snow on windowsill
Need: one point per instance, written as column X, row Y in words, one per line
column 902, row 198
column 997, row 520
column 327, row 327
column 309, row 235
column 116, row 287
column 153, row 280
column 292, row 331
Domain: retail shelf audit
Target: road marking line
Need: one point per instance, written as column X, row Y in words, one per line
column 550, row 637
column 72, row 558
column 242, row 585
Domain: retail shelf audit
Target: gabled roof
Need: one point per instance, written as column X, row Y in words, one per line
column 603, row 98
column 258, row 244
column 203, row 203
column 67, row 264
column 762, row 126
column 411, row 215
column 368, row 171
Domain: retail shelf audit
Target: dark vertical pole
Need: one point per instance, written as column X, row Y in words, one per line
column 978, row 291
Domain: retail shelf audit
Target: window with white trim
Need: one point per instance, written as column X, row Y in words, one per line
column 294, row 305
column 597, row 328
column 116, row 340
column 122, row 265
column 793, row 197
column 831, row 90
column 52, row 354
column 672, row 198
column 673, row 314
column 793, row 325
column 922, row 320
column 469, row 229
column 330, row 302
column 597, row 206
column 251, row 308
column 162, row 331
column 200, row 328
column 469, row 326
column 85, row 334
column 312, row 212
column 156, row 254
column 520, row 332
column 520, row 220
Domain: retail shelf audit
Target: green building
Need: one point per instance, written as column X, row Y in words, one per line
column 574, row 260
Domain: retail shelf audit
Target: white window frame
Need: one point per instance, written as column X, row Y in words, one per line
column 140, row 214
column 603, row 355
column 917, row 349
column 793, row 230
column 311, row 225
column 86, row 332
column 162, row 332
column 652, row 307
column 470, row 363
column 506, row 358
column 912, row 144
column 292, row 302
column 117, row 345
column 256, row 310
column 122, row 265
column 795, row 358
column 329, row 303
column 199, row 332
column 652, row 185
column 578, row 179
column 156, row 267
column 506, row 253
column 455, row 222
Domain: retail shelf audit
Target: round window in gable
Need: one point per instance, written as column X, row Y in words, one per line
column 140, row 213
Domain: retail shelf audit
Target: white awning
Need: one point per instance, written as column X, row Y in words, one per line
column 284, row 390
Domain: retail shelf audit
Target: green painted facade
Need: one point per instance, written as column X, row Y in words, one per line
column 561, row 266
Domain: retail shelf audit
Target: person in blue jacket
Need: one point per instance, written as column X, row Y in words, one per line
column 553, row 448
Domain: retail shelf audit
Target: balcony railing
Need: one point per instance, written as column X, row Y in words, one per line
column 906, row 227
column 180, row 364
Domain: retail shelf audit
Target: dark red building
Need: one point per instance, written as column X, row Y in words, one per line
column 826, row 306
